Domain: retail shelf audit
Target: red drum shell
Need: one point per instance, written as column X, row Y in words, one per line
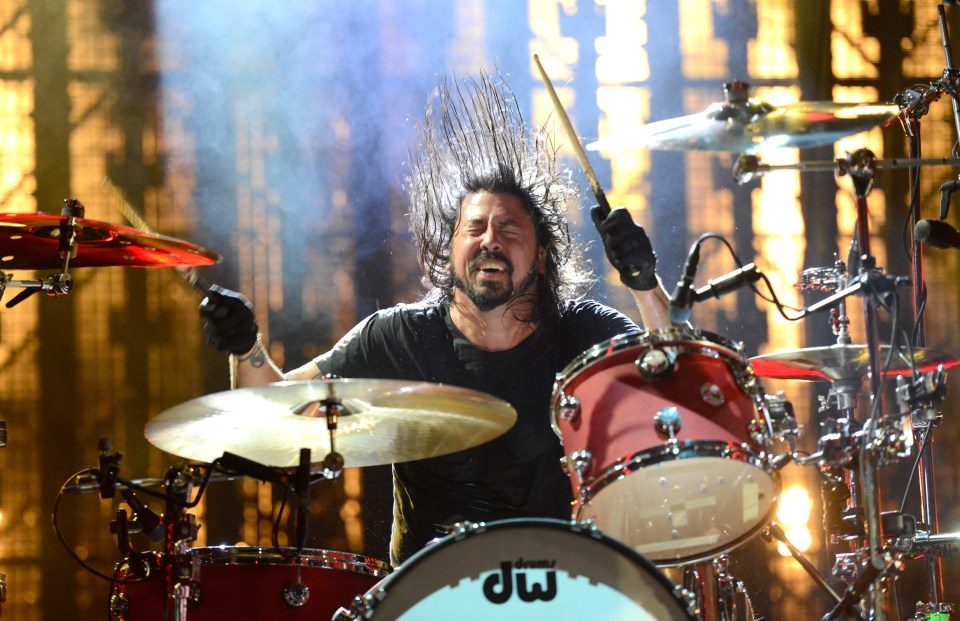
column 247, row 584
column 674, row 500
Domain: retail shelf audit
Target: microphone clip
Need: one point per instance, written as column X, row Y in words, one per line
column 109, row 468
column 946, row 191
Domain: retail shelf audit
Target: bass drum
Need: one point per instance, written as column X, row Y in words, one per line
column 548, row 570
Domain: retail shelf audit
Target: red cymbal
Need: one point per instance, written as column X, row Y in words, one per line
column 31, row 240
column 843, row 362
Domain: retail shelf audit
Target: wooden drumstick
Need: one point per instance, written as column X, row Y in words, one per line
column 574, row 141
column 190, row 274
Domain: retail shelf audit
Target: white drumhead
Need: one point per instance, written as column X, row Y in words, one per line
column 528, row 570
column 685, row 510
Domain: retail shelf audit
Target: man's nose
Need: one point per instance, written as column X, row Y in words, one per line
column 490, row 240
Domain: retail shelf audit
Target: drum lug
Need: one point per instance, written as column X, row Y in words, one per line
column 579, row 462
column 568, row 408
column 667, row 422
column 119, row 605
column 361, row 608
column 655, row 364
column 712, row 395
column 758, row 433
column 296, row 594
column 689, row 600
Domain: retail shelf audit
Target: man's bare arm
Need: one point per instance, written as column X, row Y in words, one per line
column 654, row 305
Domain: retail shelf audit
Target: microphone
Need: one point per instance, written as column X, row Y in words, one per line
column 731, row 281
column 936, row 234
column 149, row 521
column 681, row 302
column 252, row 469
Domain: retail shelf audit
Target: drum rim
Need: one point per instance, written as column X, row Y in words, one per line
column 574, row 527
column 225, row 555
column 626, row 466
column 699, row 448
column 648, row 337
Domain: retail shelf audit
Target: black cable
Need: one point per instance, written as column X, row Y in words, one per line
column 773, row 299
column 69, row 548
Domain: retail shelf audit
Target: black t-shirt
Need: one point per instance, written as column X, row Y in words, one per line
column 515, row 475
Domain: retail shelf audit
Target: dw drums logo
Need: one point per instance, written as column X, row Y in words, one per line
column 499, row 587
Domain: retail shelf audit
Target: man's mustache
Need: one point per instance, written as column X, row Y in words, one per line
column 489, row 256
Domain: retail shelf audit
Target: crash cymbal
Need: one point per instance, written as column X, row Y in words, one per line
column 382, row 422
column 747, row 125
column 842, row 362
column 30, row 241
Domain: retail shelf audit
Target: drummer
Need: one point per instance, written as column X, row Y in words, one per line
column 505, row 311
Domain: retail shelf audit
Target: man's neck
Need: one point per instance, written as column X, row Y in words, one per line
column 499, row 329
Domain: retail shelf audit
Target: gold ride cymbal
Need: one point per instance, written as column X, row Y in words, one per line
column 842, row 362
column 31, row 241
column 381, row 422
column 747, row 125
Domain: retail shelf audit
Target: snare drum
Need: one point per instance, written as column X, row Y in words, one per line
column 665, row 436
column 535, row 570
column 248, row 584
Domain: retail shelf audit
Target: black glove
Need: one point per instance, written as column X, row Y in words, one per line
column 228, row 320
column 628, row 248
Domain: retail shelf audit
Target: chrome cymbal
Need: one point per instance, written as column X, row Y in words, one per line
column 748, row 125
column 31, row 241
column 381, row 422
column 842, row 362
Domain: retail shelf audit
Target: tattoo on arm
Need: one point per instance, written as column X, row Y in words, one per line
column 257, row 358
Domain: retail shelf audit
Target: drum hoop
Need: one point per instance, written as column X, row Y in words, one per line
column 656, row 335
column 682, row 450
column 309, row 557
column 368, row 603
column 689, row 341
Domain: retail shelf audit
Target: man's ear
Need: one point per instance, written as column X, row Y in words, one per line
column 541, row 260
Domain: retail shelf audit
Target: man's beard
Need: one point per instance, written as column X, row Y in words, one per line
column 487, row 297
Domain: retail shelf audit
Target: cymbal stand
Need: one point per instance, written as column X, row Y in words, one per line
column 913, row 106
column 180, row 528
column 862, row 171
column 56, row 284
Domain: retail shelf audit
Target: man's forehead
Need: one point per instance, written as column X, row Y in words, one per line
column 481, row 205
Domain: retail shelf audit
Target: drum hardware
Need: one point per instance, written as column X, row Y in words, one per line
column 568, row 408
column 774, row 531
column 715, row 593
column 655, row 364
column 932, row 612
column 823, row 279
column 579, row 463
column 749, row 167
column 783, row 420
column 667, row 421
column 920, row 395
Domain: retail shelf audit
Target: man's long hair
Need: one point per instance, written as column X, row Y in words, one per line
column 473, row 138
